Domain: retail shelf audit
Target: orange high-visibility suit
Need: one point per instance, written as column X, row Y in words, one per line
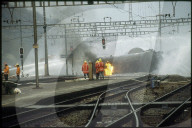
column 6, row 69
column 6, row 72
column 85, row 69
column 18, row 70
column 101, row 66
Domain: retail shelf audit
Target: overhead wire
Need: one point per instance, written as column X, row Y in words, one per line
column 19, row 38
column 143, row 17
column 124, row 10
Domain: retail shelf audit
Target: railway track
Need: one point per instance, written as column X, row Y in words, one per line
column 162, row 112
column 34, row 117
column 105, row 117
column 35, row 113
column 170, row 118
column 101, row 119
column 112, row 97
column 133, row 115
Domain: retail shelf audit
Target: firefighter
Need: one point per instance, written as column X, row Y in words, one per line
column 85, row 69
column 97, row 69
column 101, row 69
column 18, row 72
column 6, row 72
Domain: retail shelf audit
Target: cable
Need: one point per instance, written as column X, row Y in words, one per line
column 126, row 10
column 19, row 37
column 143, row 17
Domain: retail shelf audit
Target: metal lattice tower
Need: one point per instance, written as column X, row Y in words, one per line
column 112, row 28
column 174, row 5
column 130, row 11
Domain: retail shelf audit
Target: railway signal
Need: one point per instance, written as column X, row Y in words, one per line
column 21, row 51
column 103, row 43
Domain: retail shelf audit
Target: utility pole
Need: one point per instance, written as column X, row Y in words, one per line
column 21, row 56
column 66, row 51
column 174, row 5
column 35, row 45
column 130, row 11
column 45, row 37
column 160, row 45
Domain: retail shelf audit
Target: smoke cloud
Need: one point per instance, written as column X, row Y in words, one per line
column 176, row 60
column 80, row 54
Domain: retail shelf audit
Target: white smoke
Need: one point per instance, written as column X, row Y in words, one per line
column 176, row 60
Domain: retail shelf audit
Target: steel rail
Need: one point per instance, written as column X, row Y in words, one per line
column 50, row 114
column 158, row 99
column 130, row 103
column 49, row 105
column 53, row 104
column 53, row 112
column 97, row 103
column 16, row 125
column 172, row 114
column 46, row 115
column 172, row 103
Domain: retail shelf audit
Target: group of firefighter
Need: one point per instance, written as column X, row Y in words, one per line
column 10, row 86
column 99, row 69
column 6, row 72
